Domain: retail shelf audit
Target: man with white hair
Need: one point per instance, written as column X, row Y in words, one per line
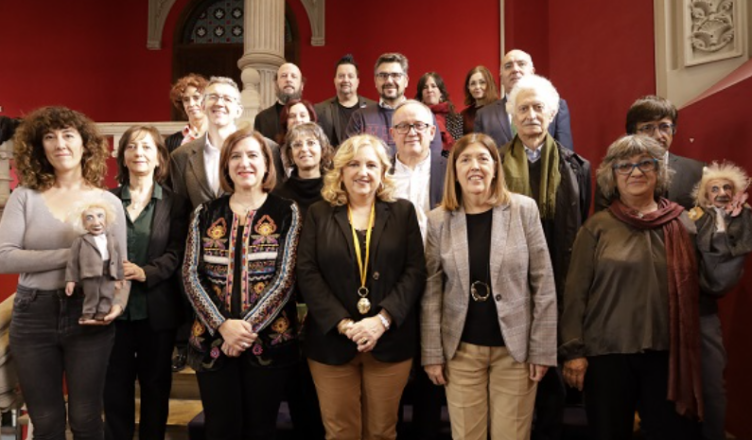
column 494, row 120
column 538, row 166
column 289, row 83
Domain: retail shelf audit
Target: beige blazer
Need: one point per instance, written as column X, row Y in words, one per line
column 521, row 277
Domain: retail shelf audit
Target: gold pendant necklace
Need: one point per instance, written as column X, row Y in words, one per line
column 364, row 305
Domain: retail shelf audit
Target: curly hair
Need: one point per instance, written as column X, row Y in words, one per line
column 334, row 190
column 314, row 130
column 32, row 167
column 190, row 80
column 76, row 216
column 719, row 170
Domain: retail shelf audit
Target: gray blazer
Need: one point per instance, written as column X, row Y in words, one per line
column 521, row 276
column 86, row 261
column 188, row 171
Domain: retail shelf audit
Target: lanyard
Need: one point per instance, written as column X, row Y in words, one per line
column 363, row 305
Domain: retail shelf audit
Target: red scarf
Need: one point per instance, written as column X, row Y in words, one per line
column 441, row 110
column 684, row 383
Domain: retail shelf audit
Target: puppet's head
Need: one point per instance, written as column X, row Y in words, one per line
column 720, row 183
column 94, row 217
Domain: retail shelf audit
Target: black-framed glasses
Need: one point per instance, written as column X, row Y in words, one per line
column 645, row 165
column 393, row 75
column 664, row 128
column 404, row 127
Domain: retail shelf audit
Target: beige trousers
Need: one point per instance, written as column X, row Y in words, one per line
column 360, row 399
column 485, row 382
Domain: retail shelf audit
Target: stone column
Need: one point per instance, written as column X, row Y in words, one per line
column 264, row 52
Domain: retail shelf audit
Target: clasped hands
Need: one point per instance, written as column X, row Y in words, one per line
column 238, row 336
column 364, row 333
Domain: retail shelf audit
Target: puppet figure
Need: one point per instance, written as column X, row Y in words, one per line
column 96, row 261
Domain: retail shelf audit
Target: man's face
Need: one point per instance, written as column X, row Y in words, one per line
column 391, row 81
column 346, row 80
column 94, row 221
column 661, row 130
column 289, row 82
column 720, row 192
column 531, row 115
column 412, row 143
column 514, row 66
column 221, row 105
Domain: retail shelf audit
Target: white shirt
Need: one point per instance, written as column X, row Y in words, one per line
column 101, row 241
column 414, row 184
column 211, row 163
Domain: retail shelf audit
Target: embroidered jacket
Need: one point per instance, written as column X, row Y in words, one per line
column 267, row 280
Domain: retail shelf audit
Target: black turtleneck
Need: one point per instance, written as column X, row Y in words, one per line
column 303, row 191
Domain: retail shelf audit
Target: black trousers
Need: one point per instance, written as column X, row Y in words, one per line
column 242, row 401
column 144, row 354
column 550, row 400
column 303, row 402
column 617, row 385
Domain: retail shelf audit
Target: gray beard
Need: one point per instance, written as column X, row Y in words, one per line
column 285, row 97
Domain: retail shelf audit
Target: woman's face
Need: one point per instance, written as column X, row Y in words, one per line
column 477, row 86
column 362, row 174
column 192, row 103
column 246, row 165
column 475, row 170
column 63, row 149
column 431, row 95
column 141, row 155
column 637, row 184
column 306, row 152
column 298, row 114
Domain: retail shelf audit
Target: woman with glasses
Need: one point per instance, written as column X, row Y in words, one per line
column 433, row 92
column 480, row 89
column 630, row 322
column 186, row 95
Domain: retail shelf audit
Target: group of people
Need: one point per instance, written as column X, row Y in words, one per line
column 337, row 251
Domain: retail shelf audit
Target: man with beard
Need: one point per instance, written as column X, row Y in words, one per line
column 288, row 82
column 376, row 119
column 656, row 117
column 494, row 120
column 334, row 113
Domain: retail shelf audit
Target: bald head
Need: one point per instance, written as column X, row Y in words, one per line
column 289, row 82
column 514, row 66
column 412, row 145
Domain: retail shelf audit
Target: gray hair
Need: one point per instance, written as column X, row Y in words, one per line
column 391, row 57
column 540, row 85
column 624, row 148
column 407, row 102
column 222, row 80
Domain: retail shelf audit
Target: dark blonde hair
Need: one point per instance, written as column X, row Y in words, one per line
column 492, row 93
column 624, row 148
column 334, row 190
column 33, row 169
column 452, row 200
column 245, row 132
column 137, row 132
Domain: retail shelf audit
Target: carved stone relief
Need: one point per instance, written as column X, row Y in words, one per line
column 711, row 31
column 316, row 15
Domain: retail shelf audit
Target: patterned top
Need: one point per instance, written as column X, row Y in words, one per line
column 267, row 280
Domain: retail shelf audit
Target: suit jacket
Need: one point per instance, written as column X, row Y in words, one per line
column 521, row 279
column 377, row 120
column 86, row 261
column 688, row 173
column 328, row 116
column 188, row 171
column 169, row 228
column 328, row 280
column 438, row 172
column 267, row 122
column 493, row 120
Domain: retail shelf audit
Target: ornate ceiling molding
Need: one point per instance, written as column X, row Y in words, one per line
column 316, row 12
column 158, row 11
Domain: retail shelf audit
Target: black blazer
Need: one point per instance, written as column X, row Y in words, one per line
column 267, row 122
column 328, row 280
column 169, row 228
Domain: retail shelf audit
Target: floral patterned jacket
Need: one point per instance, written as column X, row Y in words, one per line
column 267, row 281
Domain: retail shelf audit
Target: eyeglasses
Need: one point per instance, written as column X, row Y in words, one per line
column 404, row 127
column 645, row 166
column 213, row 97
column 393, row 75
column 664, row 128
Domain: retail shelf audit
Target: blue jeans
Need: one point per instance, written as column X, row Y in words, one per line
column 47, row 341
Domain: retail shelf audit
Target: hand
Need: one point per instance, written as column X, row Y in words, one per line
column 574, row 372
column 365, row 333
column 115, row 311
column 70, row 286
column 537, row 372
column 229, row 351
column 734, row 208
column 133, row 271
column 238, row 334
column 435, row 373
